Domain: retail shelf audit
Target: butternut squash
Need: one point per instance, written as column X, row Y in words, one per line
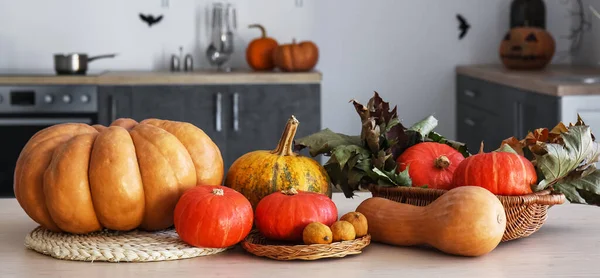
column 465, row 221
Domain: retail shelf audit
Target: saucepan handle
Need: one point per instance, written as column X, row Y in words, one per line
column 101, row 56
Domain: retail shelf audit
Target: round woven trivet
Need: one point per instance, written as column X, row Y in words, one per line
column 113, row 246
column 258, row 245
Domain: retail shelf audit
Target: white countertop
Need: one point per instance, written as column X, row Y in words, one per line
column 539, row 81
column 568, row 245
column 200, row 77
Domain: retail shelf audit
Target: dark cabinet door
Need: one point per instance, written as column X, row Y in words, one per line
column 205, row 108
column 258, row 114
column 113, row 102
column 533, row 111
column 163, row 102
column 476, row 126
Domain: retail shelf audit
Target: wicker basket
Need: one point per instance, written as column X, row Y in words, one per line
column 525, row 214
column 258, row 245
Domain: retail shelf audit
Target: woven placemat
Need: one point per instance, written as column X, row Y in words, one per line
column 113, row 246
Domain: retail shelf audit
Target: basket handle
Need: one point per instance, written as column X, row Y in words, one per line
column 545, row 197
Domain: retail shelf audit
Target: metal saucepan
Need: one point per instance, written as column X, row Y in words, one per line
column 75, row 63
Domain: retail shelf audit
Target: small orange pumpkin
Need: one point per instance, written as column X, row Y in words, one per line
column 259, row 53
column 297, row 57
column 527, row 48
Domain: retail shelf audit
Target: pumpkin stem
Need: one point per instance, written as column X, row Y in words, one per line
column 263, row 31
column 481, row 147
column 442, row 162
column 284, row 148
column 218, row 191
column 290, row 191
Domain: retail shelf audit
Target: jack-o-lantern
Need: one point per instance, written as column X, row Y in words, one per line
column 527, row 48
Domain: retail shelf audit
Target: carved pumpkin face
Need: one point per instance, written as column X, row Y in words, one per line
column 527, row 48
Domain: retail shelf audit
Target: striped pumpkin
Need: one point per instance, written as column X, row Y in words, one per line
column 260, row 173
column 502, row 173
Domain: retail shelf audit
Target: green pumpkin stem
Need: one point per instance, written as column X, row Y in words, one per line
column 286, row 143
column 218, row 191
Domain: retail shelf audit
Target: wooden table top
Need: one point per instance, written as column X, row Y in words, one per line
column 568, row 245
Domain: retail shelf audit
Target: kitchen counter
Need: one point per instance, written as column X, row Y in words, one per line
column 166, row 78
column 568, row 245
column 555, row 80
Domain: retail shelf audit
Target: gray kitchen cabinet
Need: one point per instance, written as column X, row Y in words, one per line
column 238, row 118
column 113, row 102
column 163, row 102
column 259, row 114
column 492, row 112
column 203, row 108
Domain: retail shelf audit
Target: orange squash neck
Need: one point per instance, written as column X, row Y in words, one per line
column 285, row 146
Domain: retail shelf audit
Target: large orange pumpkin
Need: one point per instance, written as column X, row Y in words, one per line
column 260, row 173
column 296, row 57
column 259, row 53
column 527, row 48
column 79, row 178
column 502, row 173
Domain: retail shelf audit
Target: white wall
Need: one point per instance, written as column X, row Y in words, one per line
column 589, row 54
column 405, row 50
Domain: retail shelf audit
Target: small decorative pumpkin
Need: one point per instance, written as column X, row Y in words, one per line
column 213, row 216
column 359, row 221
column 466, row 221
column 260, row 173
column 296, row 57
column 259, row 53
column 527, row 48
column 317, row 233
column 502, row 173
column 342, row 230
column 430, row 164
column 284, row 215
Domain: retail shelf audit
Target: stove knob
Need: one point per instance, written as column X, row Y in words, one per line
column 48, row 98
column 85, row 98
column 66, row 98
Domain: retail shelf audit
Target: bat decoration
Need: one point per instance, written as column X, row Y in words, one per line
column 150, row 19
column 463, row 26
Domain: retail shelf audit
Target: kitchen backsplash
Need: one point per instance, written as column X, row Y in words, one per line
column 32, row 30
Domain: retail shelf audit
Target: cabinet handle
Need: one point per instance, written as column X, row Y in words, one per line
column 469, row 122
column 218, row 112
column 113, row 109
column 470, row 93
column 236, row 111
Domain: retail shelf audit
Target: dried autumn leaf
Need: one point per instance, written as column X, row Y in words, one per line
column 540, row 134
column 514, row 143
column 560, row 164
column 324, row 141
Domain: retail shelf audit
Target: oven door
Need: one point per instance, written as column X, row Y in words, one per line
column 15, row 131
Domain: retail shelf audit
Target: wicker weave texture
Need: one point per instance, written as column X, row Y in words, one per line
column 525, row 214
column 258, row 245
column 111, row 246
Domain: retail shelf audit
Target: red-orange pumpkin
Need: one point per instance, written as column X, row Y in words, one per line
column 502, row 173
column 213, row 216
column 284, row 215
column 431, row 164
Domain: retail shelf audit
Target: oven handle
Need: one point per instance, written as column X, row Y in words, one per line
column 37, row 122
